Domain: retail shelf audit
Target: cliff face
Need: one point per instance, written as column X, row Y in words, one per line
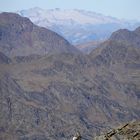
column 52, row 96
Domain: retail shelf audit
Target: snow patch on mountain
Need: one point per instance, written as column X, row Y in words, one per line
column 77, row 26
column 67, row 16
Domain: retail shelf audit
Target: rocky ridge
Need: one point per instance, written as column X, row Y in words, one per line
column 128, row 131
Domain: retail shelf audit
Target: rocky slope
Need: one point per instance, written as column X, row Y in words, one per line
column 88, row 46
column 52, row 96
column 20, row 37
column 4, row 59
column 128, row 131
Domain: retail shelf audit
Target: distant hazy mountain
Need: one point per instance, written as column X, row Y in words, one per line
column 77, row 26
column 20, row 37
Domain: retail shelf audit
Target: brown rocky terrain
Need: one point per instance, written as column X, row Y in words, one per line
column 4, row 59
column 128, row 131
column 52, row 96
column 88, row 46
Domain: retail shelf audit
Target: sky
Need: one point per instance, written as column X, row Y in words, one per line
column 123, row 9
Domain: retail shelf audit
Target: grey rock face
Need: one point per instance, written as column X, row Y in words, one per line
column 122, row 47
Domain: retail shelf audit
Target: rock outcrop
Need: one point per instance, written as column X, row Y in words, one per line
column 129, row 131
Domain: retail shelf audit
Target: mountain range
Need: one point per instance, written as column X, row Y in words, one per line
column 52, row 94
column 78, row 26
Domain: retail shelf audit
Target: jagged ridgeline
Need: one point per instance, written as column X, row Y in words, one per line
column 49, row 90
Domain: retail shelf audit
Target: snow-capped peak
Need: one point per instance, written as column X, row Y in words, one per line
column 59, row 15
column 77, row 26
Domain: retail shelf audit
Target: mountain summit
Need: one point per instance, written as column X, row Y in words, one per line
column 77, row 26
column 20, row 37
column 123, row 46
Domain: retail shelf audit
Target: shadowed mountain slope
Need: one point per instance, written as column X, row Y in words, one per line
column 122, row 47
column 4, row 59
column 20, row 37
column 126, row 36
column 52, row 97
column 77, row 26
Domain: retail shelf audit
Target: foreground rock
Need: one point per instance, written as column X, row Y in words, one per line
column 129, row 131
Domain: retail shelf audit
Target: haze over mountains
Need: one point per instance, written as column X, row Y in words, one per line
column 51, row 95
column 78, row 26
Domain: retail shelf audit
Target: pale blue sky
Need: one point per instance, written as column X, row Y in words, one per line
column 127, row 9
